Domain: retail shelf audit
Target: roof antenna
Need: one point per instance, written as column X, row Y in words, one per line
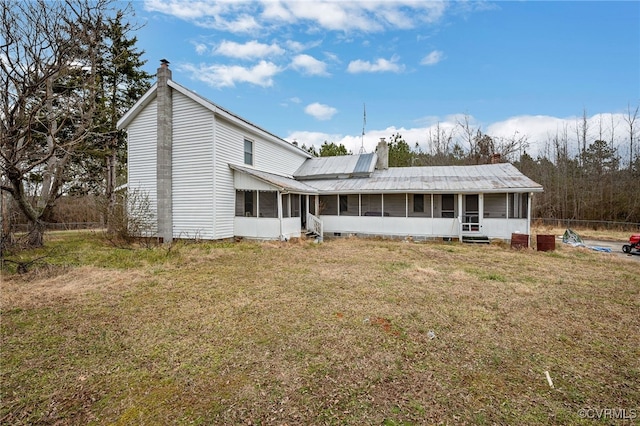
column 364, row 123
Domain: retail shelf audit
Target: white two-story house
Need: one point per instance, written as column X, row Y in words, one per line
column 211, row 174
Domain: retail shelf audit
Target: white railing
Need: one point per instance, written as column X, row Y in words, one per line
column 314, row 224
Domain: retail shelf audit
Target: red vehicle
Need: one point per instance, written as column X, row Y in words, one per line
column 634, row 243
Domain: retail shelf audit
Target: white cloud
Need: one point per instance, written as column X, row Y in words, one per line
column 342, row 16
column 201, row 48
column 234, row 17
column 275, row 10
column 228, row 75
column 380, row 65
column 332, row 57
column 309, row 65
column 541, row 130
column 335, row 16
column 432, row 58
column 312, row 138
column 242, row 24
column 320, row 111
column 538, row 130
column 249, row 50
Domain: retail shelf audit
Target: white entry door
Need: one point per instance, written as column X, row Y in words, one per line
column 471, row 217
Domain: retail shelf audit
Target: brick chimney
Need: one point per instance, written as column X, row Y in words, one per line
column 496, row 158
column 382, row 150
column 165, row 136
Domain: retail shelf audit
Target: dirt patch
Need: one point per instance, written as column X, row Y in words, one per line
column 41, row 288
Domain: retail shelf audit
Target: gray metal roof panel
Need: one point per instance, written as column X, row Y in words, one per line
column 341, row 165
column 366, row 163
column 481, row 178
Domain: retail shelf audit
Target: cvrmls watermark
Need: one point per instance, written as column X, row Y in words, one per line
column 608, row 413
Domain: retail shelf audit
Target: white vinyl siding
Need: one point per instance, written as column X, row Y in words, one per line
column 192, row 169
column 229, row 148
column 275, row 158
column 142, row 153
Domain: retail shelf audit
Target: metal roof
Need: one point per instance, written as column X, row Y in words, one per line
column 485, row 178
column 280, row 182
column 361, row 165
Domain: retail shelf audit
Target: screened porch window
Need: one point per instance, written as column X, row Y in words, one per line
column 257, row 203
column 518, row 205
column 419, row 205
column 349, row 205
column 246, row 203
column 286, row 205
column 371, row 204
column 295, row 205
column 448, row 206
column 495, row 206
column 312, row 204
column 329, row 205
column 395, row 205
column 268, row 204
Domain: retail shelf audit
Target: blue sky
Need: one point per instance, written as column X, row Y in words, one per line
column 305, row 69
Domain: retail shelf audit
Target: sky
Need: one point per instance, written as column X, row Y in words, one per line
column 315, row 71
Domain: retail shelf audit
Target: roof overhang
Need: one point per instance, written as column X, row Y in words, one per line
column 281, row 183
column 429, row 191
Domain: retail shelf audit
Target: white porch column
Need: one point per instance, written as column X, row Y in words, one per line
column 431, row 205
column 460, row 217
column 406, row 205
column 480, row 210
column 529, row 215
column 280, row 212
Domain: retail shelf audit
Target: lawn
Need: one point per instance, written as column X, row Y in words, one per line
column 350, row 331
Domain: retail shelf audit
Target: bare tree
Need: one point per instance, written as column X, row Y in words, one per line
column 507, row 147
column 582, row 129
column 469, row 134
column 630, row 118
column 48, row 56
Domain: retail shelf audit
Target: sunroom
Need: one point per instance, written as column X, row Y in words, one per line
column 267, row 205
column 424, row 215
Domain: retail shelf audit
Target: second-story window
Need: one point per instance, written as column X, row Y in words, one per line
column 248, row 152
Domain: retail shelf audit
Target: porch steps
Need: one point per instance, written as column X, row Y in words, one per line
column 475, row 239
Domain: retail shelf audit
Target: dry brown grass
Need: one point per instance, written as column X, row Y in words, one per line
column 335, row 333
column 586, row 233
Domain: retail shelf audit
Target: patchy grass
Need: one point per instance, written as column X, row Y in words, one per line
column 586, row 233
column 299, row 333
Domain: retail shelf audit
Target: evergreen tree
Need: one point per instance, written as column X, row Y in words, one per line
column 332, row 149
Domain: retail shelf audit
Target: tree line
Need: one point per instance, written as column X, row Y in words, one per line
column 584, row 178
column 69, row 69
